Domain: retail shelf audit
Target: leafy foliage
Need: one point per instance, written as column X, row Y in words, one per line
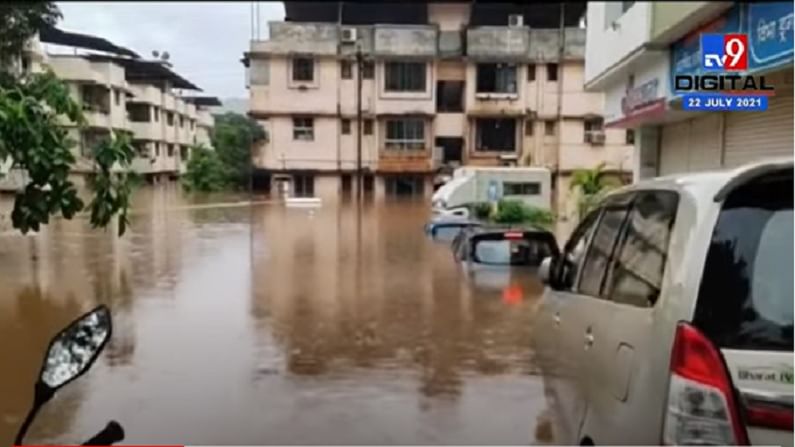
column 33, row 108
column 19, row 22
column 233, row 136
column 517, row 212
column 205, row 171
column 592, row 184
column 510, row 211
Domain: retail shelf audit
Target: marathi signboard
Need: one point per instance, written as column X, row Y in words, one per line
column 770, row 38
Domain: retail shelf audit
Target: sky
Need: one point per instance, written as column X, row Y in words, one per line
column 205, row 40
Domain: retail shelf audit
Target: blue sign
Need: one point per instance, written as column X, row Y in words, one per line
column 724, row 103
column 769, row 34
column 493, row 191
column 770, row 38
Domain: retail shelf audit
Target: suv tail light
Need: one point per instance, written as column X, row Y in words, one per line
column 701, row 408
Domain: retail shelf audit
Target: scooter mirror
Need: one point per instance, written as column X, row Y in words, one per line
column 74, row 349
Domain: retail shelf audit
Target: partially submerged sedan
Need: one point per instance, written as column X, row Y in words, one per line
column 491, row 255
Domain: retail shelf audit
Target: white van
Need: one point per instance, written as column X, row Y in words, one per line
column 668, row 317
column 481, row 184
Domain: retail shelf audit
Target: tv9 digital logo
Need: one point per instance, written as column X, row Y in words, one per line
column 724, row 52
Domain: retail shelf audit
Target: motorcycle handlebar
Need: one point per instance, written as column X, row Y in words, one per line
column 113, row 432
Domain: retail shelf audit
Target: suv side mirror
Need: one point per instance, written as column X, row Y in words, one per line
column 545, row 270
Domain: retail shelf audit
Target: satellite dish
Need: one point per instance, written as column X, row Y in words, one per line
column 165, row 56
column 155, row 54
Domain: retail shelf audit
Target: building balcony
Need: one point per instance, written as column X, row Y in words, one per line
column 146, row 131
column 405, row 40
column 390, row 160
column 297, row 38
column 498, row 43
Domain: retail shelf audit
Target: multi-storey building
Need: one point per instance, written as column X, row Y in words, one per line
column 635, row 51
column 438, row 85
column 120, row 92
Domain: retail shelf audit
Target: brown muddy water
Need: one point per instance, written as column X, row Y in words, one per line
column 238, row 324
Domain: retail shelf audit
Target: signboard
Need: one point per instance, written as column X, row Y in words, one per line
column 769, row 39
column 493, row 191
column 640, row 96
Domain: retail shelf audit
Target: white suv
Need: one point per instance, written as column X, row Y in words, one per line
column 668, row 315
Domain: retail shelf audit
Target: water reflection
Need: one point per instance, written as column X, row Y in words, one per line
column 266, row 325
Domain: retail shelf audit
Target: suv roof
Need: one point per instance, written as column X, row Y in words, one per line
column 710, row 185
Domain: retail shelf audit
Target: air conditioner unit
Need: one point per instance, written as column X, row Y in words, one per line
column 348, row 35
column 598, row 138
column 515, row 20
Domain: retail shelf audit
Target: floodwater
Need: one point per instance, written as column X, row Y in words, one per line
column 258, row 324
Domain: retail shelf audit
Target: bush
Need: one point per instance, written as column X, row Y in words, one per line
column 205, row 171
column 482, row 210
column 517, row 212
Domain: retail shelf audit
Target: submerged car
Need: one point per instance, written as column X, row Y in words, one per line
column 668, row 319
column 496, row 256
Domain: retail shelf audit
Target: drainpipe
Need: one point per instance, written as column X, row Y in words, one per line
column 561, row 46
column 359, row 123
column 339, row 107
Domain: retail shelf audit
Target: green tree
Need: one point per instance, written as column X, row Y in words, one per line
column 233, row 137
column 32, row 107
column 205, row 171
column 518, row 212
column 592, row 185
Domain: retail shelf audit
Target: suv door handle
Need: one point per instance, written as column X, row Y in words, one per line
column 588, row 338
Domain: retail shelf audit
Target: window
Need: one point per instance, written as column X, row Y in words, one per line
column 192, row 124
column 495, row 135
column 552, row 72
column 182, row 121
column 637, row 272
column 591, row 126
column 303, row 185
column 496, row 78
column 625, row 6
column 528, row 128
column 549, row 128
column 368, row 127
column 571, row 260
column 157, row 149
column 117, row 97
column 521, row 188
column 405, row 134
column 346, row 127
column 405, row 77
column 601, row 250
column 368, row 70
column 138, row 113
column 183, row 152
column 531, row 72
column 170, row 118
column 170, row 150
column 346, row 69
column 450, row 96
column 303, row 69
column 303, row 129
column 157, row 113
column 745, row 297
column 629, row 138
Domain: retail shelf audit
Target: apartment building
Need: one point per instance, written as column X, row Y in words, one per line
column 634, row 52
column 121, row 92
column 439, row 85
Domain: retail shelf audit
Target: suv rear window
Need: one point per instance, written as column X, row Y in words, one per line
column 746, row 293
column 497, row 250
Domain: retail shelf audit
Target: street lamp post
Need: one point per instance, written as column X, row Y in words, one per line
column 359, row 123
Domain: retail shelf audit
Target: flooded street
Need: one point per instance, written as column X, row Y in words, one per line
column 259, row 324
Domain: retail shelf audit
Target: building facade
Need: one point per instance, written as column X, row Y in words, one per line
column 634, row 52
column 411, row 97
column 121, row 92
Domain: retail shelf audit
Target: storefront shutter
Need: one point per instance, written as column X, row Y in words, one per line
column 754, row 135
